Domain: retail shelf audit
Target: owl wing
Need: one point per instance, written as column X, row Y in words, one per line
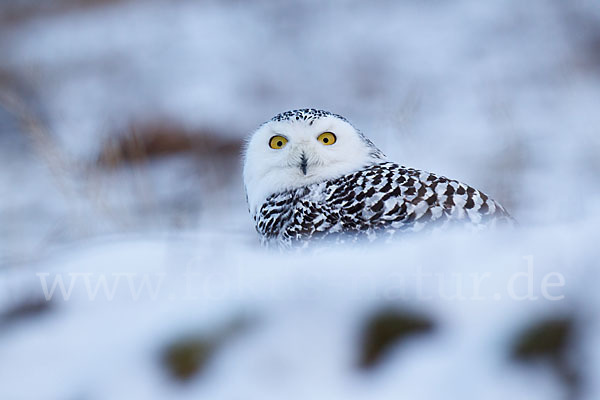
column 388, row 196
column 382, row 198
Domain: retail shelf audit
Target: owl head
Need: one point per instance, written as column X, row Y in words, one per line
column 300, row 147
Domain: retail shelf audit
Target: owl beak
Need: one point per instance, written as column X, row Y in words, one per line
column 303, row 163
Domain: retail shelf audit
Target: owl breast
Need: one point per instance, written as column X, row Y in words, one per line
column 376, row 202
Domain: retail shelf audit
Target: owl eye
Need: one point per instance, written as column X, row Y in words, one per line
column 277, row 142
column 327, row 138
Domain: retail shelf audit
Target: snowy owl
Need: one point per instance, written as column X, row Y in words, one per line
column 310, row 175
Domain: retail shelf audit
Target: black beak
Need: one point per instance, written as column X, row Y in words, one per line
column 303, row 163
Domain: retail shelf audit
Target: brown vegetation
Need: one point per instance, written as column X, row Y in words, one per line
column 150, row 140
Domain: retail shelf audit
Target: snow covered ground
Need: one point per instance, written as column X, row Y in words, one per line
column 118, row 305
column 500, row 94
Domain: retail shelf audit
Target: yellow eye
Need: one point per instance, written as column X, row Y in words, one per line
column 327, row 138
column 277, row 142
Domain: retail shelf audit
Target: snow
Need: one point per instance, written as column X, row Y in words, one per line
column 498, row 94
column 306, row 314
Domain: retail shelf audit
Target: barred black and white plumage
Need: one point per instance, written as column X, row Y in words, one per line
column 380, row 200
column 368, row 198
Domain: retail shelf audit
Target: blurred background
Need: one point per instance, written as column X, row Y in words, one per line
column 122, row 125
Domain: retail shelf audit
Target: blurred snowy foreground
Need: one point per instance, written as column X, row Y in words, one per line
column 490, row 316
